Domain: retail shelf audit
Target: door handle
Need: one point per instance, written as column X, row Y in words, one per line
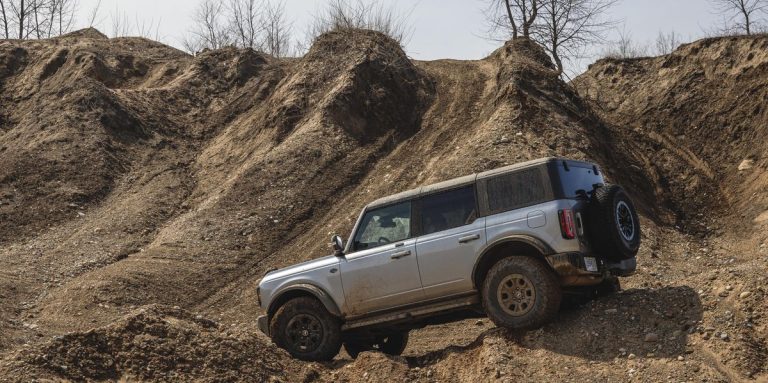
column 401, row 254
column 469, row 238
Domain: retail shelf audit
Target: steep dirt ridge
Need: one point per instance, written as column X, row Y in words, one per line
column 133, row 174
column 699, row 113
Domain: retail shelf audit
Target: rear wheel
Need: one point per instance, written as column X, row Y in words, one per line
column 521, row 293
column 392, row 344
column 304, row 328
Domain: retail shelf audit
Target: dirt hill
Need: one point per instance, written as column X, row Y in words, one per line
column 132, row 174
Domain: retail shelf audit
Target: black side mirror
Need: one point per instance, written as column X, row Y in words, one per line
column 338, row 245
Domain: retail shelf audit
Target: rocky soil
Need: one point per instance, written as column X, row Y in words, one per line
column 144, row 192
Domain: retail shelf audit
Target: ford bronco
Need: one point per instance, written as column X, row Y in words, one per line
column 507, row 243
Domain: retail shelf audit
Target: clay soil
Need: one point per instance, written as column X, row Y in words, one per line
column 144, row 192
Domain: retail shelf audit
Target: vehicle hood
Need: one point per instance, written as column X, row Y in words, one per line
column 301, row 268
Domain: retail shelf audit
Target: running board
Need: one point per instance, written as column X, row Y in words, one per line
column 413, row 312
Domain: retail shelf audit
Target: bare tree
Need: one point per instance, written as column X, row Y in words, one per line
column 5, row 20
column 357, row 14
column 742, row 13
column 277, row 30
column 147, row 28
column 625, row 47
column 245, row 22
column 25, row 19
column 93, row 14
column 209, row 27
column 509, row 16
column 20, row 14
column 120, row 24
column 569, row 26
column 666, row 43
column 66, row 10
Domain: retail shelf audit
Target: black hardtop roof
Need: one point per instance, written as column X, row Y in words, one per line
column 467, row 180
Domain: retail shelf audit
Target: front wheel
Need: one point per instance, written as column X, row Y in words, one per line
column 304, row 328
column 521, row 293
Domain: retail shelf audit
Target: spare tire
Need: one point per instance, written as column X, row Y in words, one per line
column 613, row 224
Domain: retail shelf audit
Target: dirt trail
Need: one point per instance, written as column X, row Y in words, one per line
column 132, row 174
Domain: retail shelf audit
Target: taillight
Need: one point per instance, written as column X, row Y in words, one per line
column 567, row 226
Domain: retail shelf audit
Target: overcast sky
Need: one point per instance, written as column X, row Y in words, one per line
column 441, row 28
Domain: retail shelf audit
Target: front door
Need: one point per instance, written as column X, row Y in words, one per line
column 381, row 270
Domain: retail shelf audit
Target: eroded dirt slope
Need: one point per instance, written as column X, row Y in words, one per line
column 132, row 174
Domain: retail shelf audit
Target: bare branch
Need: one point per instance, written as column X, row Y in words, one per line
column 570, row 26
column 625, row 47
column 666, row 43
column 94, row 13
column 5, row 20
column 742, row 15
column 506, row 18
column 277, row 30
column 209, row 29
column 357, row 14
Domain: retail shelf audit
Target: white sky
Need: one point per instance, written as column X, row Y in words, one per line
column 441, row 28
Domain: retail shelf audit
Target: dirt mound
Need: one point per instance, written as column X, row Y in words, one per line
column 134, row 174
column 155, row 343
column 696, row 114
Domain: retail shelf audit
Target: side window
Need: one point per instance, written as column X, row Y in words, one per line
column 446, row 210
column 515, row 190
column 384, row 225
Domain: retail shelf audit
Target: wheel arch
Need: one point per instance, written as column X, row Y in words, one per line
column 303, row 290
column 510, row 246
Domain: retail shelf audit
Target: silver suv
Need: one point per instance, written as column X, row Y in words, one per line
column 508, row 243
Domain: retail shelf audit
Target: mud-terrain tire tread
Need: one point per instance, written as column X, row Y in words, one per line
column 604, row 235
column 331, row 343
column 548, row 293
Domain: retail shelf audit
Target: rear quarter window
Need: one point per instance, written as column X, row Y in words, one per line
column 516, row 190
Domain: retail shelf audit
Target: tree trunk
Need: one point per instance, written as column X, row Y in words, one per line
column 511, row 19
column 37, row 22
column 22, row 16
column 746, row 23
column 558, row 61
column 5, row 19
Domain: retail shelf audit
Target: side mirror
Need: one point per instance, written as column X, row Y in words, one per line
column 338, row 245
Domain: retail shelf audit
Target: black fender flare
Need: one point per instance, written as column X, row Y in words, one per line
column 542, row 247
column 312, row 290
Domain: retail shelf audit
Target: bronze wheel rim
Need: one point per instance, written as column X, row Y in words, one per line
column 516, row 295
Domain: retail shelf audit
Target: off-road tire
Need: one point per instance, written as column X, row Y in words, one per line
column 603, row 224
column 393, row 344
column 546, row 291
column 328, row 343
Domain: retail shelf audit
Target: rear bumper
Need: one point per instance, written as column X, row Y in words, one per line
column 263, row 323
column 577, row 269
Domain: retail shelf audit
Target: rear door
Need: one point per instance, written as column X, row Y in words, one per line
column 381, row 271
column 450, row 237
